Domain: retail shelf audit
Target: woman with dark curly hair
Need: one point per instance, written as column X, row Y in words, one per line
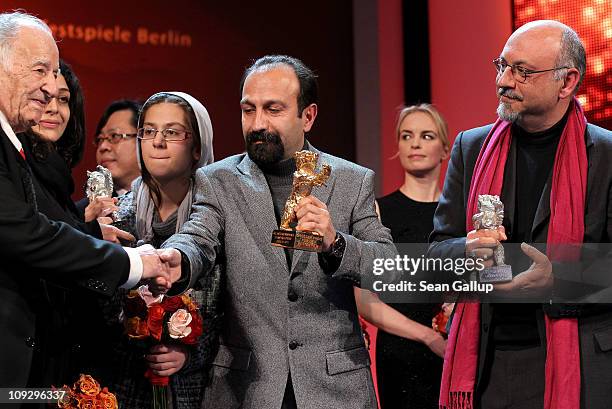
column 52, row 148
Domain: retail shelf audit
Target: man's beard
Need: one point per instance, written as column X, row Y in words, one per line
column 504, row 111
column 269, row 152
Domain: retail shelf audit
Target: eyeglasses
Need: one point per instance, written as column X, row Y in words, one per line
column 113, row 137
column 519, row 73
column 169, row 134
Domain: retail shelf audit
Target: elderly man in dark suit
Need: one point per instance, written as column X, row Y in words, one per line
column 553, row 172
column 32, row 248
column 291, row 336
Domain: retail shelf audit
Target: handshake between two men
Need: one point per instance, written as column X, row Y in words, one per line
column 161, row 268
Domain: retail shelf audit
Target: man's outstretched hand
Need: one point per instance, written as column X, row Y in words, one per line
column 171, row 262
column 537, row 279
column 172, row 259
column 161, row 268
column 153, row 267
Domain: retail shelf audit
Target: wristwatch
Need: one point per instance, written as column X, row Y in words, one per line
column 338, row 246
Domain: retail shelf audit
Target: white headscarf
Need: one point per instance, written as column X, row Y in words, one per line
column 204, row 127
column 145, row 206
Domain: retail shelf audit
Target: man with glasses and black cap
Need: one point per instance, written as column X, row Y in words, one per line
column 553, row 172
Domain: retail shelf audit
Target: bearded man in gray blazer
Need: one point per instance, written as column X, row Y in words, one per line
column 291, row 336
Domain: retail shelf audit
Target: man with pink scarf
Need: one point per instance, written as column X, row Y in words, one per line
column 553, row 172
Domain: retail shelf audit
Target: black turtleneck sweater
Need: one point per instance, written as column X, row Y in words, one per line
column 280, row 181
column 535, row 156
column 514, row 326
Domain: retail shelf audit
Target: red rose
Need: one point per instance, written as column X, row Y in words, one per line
column 196, row 330
column 155, row 321
column 134, row 306
column 171, row 304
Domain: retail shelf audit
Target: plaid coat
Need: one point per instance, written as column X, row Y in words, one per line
column 126, row 379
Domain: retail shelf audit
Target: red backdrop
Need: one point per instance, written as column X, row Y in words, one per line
column 464, row 38
column 592, row 20
column 122, row 49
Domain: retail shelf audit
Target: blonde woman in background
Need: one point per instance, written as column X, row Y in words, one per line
column 408, row 350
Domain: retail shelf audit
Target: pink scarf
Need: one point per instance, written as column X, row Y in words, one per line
column 567, row 198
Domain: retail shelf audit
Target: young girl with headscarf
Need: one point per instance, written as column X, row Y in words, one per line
column 174, row 140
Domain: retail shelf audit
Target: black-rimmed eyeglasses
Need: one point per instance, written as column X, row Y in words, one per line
column 520, row 74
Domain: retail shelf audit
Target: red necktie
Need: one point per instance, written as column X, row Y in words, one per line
column 22, row 153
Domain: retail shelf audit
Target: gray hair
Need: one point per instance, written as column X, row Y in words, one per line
column 571, row 54
column 10, row 24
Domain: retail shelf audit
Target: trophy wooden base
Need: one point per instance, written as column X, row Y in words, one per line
column 298, row 240
column 496, row 274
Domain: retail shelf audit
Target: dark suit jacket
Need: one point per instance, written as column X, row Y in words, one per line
column 33, row 248
column 448, row 239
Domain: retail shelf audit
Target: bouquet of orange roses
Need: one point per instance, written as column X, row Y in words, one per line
column 161, row 319
column 86, row 394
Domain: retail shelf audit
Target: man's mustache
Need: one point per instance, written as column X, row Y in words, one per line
column 508, row 93
column 262, row 136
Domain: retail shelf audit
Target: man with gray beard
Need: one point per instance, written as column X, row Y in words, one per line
column 552, row 170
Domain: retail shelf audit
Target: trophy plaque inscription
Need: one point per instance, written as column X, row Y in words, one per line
column 304, row 179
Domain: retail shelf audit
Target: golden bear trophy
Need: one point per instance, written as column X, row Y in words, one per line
column 304, row 179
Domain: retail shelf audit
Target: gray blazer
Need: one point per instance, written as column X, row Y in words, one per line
column 301, row 321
